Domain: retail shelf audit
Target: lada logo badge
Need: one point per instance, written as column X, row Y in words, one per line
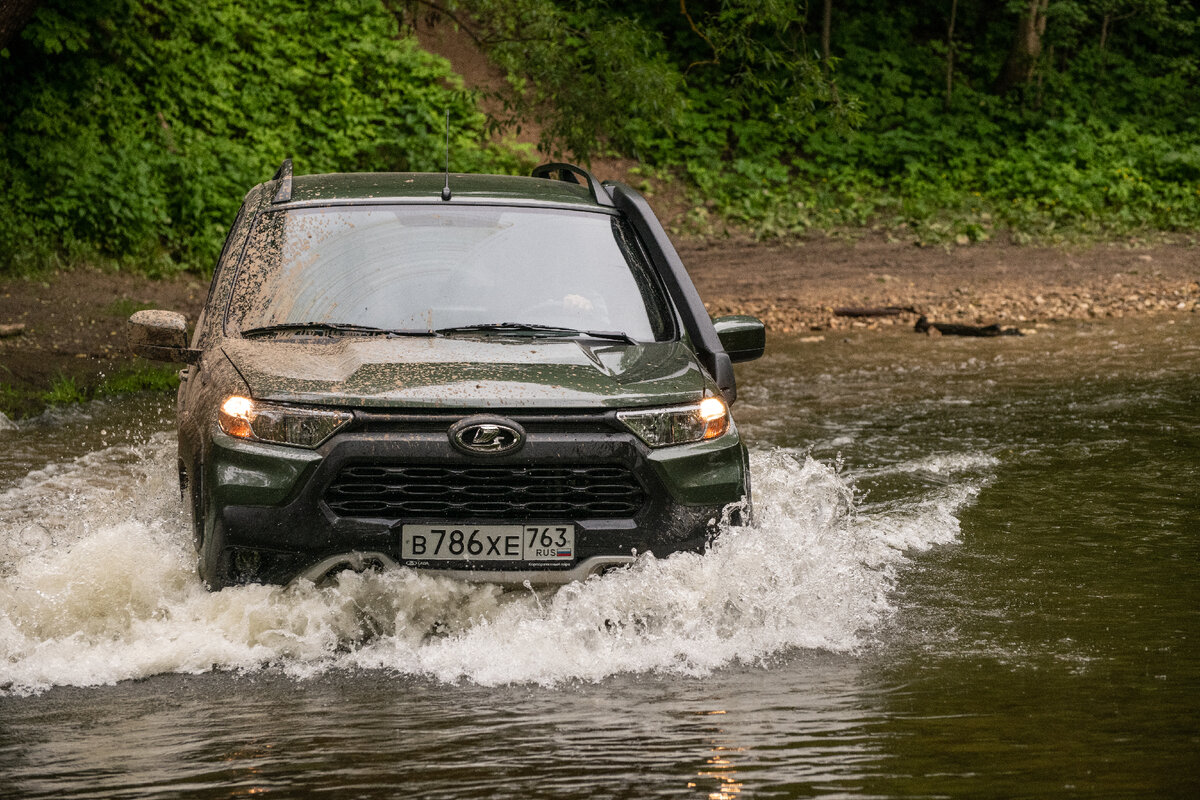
column 488, row 436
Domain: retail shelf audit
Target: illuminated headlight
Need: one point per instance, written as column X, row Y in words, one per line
column 267, row 422
column 659, row 427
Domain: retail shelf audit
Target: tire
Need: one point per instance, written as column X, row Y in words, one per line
column 212, row 564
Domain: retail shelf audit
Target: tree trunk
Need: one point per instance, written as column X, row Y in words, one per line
column 1026, row 47
column 13, row 16
column 826, row 25
column 950, row 54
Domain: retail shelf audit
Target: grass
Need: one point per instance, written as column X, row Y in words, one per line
column 11, row 400
column 18, row 402
column 64, row 392
column 149, row 378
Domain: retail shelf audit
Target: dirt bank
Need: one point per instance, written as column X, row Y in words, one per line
column 72, row 325
column 73, row 322
column 797, row 287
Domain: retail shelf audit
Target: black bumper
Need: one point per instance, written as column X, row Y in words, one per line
column 275, row 542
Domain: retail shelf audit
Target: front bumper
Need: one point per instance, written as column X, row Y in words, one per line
column 269, row 519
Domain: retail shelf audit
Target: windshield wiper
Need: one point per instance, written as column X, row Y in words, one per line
column 333, row 327
column 619, row 336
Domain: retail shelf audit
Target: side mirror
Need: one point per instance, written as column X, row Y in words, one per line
column 161, row 336
column 744, row 338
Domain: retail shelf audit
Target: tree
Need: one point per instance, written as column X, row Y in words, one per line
column 13, row 16
column 1026, row 47
column 950, row 55
column 826, row 28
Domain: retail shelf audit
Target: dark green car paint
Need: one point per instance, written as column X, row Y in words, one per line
column 255, row 473
column 701, row 472
column 483, row 372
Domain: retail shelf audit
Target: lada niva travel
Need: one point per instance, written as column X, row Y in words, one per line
column 495, row 378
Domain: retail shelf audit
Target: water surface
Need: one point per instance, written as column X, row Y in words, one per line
column 973, row 572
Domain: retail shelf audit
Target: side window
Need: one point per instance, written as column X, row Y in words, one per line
column 209, row 323
column 654, row 296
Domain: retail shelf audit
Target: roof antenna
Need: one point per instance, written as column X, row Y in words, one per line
column 446, row 188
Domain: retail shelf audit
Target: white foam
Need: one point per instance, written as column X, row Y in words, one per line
column 944, row 464
column 97, row 585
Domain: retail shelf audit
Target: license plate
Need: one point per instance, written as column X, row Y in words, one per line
column 487, row 542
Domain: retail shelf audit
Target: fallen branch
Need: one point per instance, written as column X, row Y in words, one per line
column 883, row 311
column 12, row 329
column 952, row 329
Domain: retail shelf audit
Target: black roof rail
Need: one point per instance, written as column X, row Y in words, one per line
column 283, row 192
column 557, row 170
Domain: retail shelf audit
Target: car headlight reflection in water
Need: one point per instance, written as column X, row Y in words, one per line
column 267, row 422
column 659, row 427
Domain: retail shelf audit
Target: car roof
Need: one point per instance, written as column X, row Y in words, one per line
column 426, row 187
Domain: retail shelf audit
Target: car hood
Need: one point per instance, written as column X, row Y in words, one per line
column 467, row 372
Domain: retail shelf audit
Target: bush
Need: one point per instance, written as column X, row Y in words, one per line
column 132, row 129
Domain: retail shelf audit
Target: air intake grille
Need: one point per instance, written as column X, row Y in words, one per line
column 462, row 493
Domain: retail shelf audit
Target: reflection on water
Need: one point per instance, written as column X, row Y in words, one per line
column 973, row 572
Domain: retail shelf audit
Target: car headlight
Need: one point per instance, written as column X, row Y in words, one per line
column 659, row 427
column 267, row 422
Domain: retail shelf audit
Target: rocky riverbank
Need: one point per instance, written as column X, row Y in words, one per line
column 826, row 284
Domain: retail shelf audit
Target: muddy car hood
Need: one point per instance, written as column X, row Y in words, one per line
column 468, row 372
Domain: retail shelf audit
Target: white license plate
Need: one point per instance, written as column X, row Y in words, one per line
column 487, row 542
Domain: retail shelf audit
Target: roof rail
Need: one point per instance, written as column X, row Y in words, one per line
column 283, row 192
column 568, row 172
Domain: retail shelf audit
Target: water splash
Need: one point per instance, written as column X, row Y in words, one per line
column 97, row 585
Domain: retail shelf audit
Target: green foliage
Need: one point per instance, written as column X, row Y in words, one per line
column 142, row 378
column 11, row 400
column 63, row 392
column 1103, row 142
column 577, row 71
column 17, row 402
column 733, row 97
column 132, row 129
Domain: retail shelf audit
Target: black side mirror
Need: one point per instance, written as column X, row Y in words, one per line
column 161, row 336
column 744, row 338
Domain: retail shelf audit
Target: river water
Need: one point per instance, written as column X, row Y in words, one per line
column 975, row 571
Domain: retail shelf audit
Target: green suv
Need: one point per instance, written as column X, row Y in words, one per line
column 495, row 378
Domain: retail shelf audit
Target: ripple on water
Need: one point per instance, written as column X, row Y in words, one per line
column 97, row 585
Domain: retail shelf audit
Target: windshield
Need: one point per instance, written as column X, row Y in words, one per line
column 425, row 268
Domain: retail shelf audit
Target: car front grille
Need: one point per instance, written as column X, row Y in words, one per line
column 499, row 492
